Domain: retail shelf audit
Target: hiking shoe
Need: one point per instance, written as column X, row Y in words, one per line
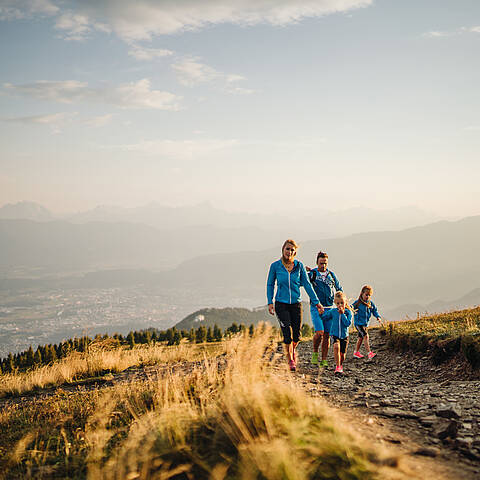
column 315, row 358
column 358, row 355
column 323, row 363
column 292, row 366
column 371, row 354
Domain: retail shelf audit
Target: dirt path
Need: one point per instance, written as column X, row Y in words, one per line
column 429, row 413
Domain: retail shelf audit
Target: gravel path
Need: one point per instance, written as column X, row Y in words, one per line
column 437, row 407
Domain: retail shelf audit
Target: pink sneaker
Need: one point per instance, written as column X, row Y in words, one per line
column 358, row 355
column 338, row 369
column 371, row 354
column 292, row 366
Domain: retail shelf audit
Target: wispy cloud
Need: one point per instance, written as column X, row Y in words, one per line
column 78, row 26
column 190, row 72
column 144, row 19
column 135, row 95
column 146, row 53
column 42, row 119
column 181, row 149
column 99, row 121
column 451, row 33
column 18, row 9
column 56, row 121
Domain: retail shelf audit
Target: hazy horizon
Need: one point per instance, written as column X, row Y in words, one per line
column 257, row 107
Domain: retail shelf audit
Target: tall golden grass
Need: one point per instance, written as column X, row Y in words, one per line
column 97, row 361
column 232, row 417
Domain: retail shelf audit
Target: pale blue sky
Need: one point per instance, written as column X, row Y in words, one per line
column 252, row 105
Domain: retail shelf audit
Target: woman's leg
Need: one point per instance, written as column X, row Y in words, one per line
column 296, row 322
column 283, row 315
column 359, row 344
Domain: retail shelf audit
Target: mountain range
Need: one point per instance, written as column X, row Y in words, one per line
column 411, row 267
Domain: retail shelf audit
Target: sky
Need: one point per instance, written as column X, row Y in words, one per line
column 252, row 105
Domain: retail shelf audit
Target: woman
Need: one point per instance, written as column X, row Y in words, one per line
column 289, row 274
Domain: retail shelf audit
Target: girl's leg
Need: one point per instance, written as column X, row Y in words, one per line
column 367, row 342
column 343, row 352
column 336, row 353
column 359, row 343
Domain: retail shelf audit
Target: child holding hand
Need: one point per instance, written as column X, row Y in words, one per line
column 364, row 308
column 340, row 318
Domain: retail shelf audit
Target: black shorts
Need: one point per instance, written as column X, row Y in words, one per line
column 290, row 319
column 362, row 330
column 343, row 343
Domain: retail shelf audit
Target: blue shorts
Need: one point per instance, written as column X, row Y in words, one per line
column 319, row 325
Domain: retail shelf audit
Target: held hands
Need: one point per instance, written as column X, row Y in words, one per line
column 271, row 309
column 320, row 308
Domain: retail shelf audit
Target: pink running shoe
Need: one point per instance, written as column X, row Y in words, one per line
column 338, row 369
column 293, row 367
column 341, row 369
column 371, row 354
column 358, row 355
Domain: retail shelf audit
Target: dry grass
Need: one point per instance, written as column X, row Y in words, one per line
column 98, row 361
column 231, row 418
column 443, row 335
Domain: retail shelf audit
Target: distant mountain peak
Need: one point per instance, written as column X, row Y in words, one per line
column 25, row 211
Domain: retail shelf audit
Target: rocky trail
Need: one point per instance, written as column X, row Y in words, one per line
column 403, row 398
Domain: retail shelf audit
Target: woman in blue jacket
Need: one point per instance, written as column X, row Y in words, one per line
column 289, row 275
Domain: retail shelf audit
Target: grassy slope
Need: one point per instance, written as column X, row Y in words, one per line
column 443, row 335
column 232, row 419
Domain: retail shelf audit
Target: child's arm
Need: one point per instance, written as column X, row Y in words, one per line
column 377, row 315
column 347, row 318
column 375, row 311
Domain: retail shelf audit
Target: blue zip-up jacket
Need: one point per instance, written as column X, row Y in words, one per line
column 288, row 283
column 339, row 322
column 363, row 313
column 325, row 289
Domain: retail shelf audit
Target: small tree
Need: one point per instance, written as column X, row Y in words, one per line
column 37, row 358
column 29, row 357
column 251, row 330
column 201, row 334
column 172, row 335
column 131, row 340
column 217, row 333
column 177, row 337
